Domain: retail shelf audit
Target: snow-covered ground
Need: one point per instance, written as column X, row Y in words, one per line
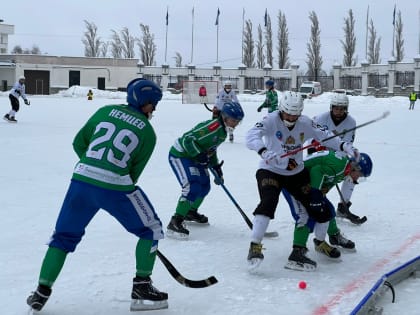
column 36, row 165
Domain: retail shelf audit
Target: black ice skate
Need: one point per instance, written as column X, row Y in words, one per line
column 299, row 261
column 194, row 216
column 176, row 228
column 255, row 255
column 343, row 211
column 339, row 240
column 326, row 249
column 38, row 298
column 146, row 297
column 10, row 119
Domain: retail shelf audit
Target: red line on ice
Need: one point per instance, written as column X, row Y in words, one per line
column 356, row 283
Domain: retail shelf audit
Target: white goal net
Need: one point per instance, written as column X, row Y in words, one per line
column 191, row 92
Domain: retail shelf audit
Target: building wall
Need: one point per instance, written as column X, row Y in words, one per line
column 117, row 72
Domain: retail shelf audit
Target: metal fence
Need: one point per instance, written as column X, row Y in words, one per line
column 404, row 78
column 351, row 83
column 377, row 81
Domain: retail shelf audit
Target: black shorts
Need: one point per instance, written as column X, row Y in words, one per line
column 271, row 184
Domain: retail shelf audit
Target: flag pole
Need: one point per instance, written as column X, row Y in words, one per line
column 166, row 36
column 243, row 25
column 217, row 36
column 367, row 31
column 192, row 36
column 217, row 45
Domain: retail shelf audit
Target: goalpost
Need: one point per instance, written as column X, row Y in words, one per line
column 190, row 92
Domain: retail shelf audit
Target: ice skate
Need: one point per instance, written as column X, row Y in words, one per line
column 146, row 297
column 345, row 213
column 339, row 240
column 176, row 228
column 326, row 249
column 38, row 298
column 10, row 119
column 194, row 217
column 299, row 261
column 255, row 256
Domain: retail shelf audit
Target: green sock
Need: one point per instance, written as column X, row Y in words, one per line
column 301, row 235
column 145, row 257
column 332, row 227
column 183, row 207
column 197, row 203
column 51, row 266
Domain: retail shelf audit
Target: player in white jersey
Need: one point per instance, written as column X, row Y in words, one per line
column 337, row 120
column 280, row 132
column 18, row 90
column 226, row 95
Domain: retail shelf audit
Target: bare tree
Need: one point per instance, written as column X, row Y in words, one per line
column 178, row 59
column 91, row 40
column 374, row 45
column 269, row 41
column 128, row 42
column 249, row 54
column 116, row 45
column 349, row 42
column 17, row 49
column 314, row 61
column 283, row 42
column 260, row 48
column 33, row 51
column 399, row 41
column 147, row 46
column 103, row 50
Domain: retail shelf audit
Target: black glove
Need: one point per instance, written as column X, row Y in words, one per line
column 202, row 159
column 259, row 108
column 26, row 101
column 318, row 208
column 218, row 179
column 18, row 92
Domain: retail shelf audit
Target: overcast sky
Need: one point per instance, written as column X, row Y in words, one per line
column 57, row 27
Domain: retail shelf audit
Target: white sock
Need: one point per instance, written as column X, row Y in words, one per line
column 260, row 224
column 320, row 230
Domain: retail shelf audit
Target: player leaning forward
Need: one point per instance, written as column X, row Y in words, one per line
column 280, row 132
column 113, row 146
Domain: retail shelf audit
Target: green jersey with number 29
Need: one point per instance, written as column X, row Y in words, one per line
column 113, row 147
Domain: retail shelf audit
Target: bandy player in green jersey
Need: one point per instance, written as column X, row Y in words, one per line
column 326, row 169
column 190, row 157
column 113, row 147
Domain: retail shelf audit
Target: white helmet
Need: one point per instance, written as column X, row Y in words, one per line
column 227, row 83
column 22, row 77
column 339, row 99
column 291, row 103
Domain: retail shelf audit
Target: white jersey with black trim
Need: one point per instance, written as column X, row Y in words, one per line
column 325, row 121
column 18, row 90
column 271, row 133
column 225, row 97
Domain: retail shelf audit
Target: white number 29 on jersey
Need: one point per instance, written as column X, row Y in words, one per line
column 97, row 148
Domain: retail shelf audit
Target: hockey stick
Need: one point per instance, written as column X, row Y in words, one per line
column 181, row 279
column 205, row 105
column 384, row 115
column 355, row 219
column 243, row 214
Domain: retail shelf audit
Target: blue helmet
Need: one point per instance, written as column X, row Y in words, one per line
column 365, row 164
column 141, row 92
column 233, row 110
column 269, row 82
